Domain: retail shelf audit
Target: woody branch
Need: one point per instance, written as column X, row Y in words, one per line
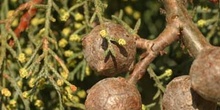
column 179, row 26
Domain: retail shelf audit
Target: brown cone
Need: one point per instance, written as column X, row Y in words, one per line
column 94, row 47
column 113, row 94
column 205, row 74
column 180, row 96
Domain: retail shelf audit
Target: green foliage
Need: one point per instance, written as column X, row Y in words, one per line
column 46, row 64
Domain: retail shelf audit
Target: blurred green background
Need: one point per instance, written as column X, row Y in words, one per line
column 70, row 21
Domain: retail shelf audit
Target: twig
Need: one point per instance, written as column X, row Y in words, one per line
column 18, row 90
column 25, row 19
column 33, row 56
column 153, row 48
column 99, row 10
column 59, row 60
column 157, row 81
column 58, row 92
column 179, row 25
column 140, row 68
column 77, row 6
column 60, row 77
column 192, row 38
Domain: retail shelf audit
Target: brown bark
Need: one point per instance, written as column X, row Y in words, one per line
column 179, row 26
column 191, row 36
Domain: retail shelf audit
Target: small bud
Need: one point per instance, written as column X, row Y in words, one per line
column 5, row 92
column 121, row 42
column 31, row 82
column 20, row 83
column 64, row 15
column 22, row 57
column 75, row 37
column 10, row 13
column 201, row 23
column 15, row 22
column 38, row 103
column 168, row 72
column 68, row 89
column 73, row 88
column 23, row 72
column 128, row 10
column 88, row 71
column 36, row 21
column 68, row 53
column 103, row 33
column 81, row 94
column 28, row 51
column 12, row 103
column 78, row 16
column 62, row 43
column 64, row 74
column 25, row 94
column 66, row 31
column 60, row 82
column 137, row 15
column 77, row 25
column 73, row 98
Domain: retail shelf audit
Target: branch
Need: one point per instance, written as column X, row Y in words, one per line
column 154, row 47
column 192, row 38
column 179, row 25
column 18, row 90
column 24, row 20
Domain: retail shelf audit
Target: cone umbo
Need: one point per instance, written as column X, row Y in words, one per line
column 109, row 49
column 180, row 96
column 205, row 74
column 113, row 94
